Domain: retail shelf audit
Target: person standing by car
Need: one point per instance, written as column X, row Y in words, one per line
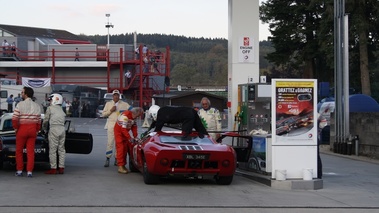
column 112, row 110
column 64, row 105
column 10, row 103
column 210, row 117
column 17, row 99
column 26, row 122
column 45, row 104
column 75, row 107
column 85, row 110
column 321, row 123
column 68, row 109
column 125, row 122
column 54, row 123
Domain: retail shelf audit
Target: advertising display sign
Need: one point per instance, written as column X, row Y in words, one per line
column 294, row 111
column 246, row 50
column 260, row 156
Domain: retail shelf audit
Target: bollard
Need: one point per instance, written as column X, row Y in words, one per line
column 344, row 148
column 280, row 174
column 339, row 149
column 307, row 174
column 356, row 141
column 349, row 147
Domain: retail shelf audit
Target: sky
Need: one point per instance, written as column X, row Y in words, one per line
column 190, row 18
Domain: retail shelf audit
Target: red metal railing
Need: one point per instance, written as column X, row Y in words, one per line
column 154, row 63
column 59, row 55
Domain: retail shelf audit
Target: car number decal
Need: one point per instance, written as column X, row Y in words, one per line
column 195, row 157
column 37, row 150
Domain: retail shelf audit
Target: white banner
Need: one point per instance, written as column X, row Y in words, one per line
column 36, row 82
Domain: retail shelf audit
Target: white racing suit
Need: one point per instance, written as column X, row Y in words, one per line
column 54, row 120
column 212, row 120
column 111, row 121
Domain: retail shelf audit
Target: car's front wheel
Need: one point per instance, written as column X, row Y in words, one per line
column 224, row 180
column 149, row 178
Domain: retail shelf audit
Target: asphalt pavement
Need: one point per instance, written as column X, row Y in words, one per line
column 350, row 184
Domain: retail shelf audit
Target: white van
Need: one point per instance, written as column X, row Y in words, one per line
column 7, row 90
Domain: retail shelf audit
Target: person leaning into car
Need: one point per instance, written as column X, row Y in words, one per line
column 125, row 122
column 111, row 110
column 26, row 121
column 54, row 122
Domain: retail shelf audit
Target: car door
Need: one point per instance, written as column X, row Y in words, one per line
column 240, row 143
column 78, row 143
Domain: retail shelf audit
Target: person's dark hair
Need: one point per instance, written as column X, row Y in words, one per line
column 28, row 91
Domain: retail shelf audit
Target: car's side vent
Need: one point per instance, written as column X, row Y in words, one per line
column 191, row 148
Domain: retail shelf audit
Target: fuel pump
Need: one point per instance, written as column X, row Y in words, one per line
column 254, row 106
column 254, row 101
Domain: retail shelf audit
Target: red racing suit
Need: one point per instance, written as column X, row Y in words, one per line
column 124, row 124
column 26, row 121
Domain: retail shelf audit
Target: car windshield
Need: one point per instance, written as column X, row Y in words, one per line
column 188, row 140
column 7, row 125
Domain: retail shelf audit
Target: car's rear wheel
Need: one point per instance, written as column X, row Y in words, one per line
column 149, row 178
column 224, row 180
column 132, row 168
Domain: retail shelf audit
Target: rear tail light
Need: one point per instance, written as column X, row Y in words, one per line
column 225, row 163
column 164, row 161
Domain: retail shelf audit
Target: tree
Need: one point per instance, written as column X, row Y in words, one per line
column 364, row 24
column 303, row 38
column 293, row 25
column 182, row 74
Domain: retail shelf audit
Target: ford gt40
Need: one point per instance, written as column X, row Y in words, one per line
column 167, row 154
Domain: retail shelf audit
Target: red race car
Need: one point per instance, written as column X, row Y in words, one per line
column 168, row 154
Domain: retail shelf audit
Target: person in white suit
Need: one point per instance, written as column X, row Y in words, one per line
column 112, row 110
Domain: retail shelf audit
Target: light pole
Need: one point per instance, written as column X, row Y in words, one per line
column 108, row 25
